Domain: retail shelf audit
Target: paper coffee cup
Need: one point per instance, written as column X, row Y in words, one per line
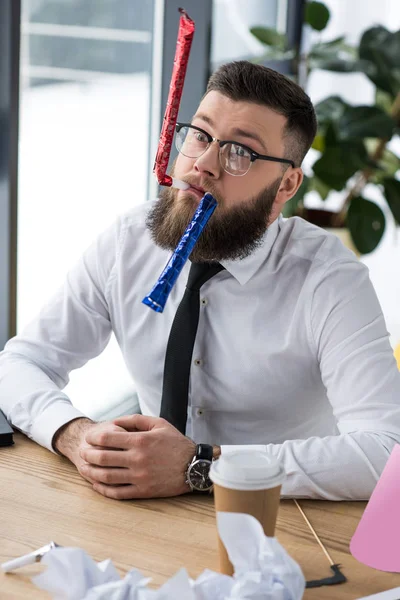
column 250, row 482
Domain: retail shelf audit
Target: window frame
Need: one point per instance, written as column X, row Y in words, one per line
column 10, row 27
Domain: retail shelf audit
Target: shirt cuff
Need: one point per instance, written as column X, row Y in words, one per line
column 50, row 421
column 236, row 448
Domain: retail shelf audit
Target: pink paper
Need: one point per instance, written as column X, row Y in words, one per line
column 376, row 542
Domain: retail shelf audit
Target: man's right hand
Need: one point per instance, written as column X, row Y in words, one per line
column 69, row 440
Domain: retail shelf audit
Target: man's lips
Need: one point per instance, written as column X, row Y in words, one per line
column 197, row 187
column 196, row 190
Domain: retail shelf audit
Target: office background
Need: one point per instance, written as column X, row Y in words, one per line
column 83, row 87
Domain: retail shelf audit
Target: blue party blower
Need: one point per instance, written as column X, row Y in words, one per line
column 162, row 289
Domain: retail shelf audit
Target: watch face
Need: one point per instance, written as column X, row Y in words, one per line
column 198, row 475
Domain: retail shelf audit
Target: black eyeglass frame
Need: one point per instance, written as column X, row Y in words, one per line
column 253, row 155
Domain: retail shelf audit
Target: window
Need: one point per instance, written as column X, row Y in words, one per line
column 84, row 123
column 232, row 20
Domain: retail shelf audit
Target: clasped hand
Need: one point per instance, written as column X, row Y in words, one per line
column 136, row 457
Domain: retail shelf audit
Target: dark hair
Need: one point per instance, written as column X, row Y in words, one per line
column 245, row 81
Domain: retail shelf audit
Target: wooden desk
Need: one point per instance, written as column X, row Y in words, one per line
column 43, row 498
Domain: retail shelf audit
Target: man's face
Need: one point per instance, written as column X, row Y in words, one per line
column 246, row 204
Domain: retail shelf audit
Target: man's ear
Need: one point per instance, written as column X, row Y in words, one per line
column 291, row 181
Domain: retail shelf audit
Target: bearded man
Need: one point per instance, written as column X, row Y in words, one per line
column 291, row 351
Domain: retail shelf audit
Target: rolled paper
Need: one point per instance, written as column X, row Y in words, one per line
column 183, row 44
column 160, row 292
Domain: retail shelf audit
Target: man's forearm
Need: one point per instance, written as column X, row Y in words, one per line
column 68, row 438
column 342, row 467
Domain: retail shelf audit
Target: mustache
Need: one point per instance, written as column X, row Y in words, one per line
column 208, row 186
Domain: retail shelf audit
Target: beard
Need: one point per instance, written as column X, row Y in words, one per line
column 231, row 233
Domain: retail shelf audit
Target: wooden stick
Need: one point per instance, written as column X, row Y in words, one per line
column 314, row 532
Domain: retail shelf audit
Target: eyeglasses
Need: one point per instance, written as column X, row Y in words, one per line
column 236, row 159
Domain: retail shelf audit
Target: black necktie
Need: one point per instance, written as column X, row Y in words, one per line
column 179, row 354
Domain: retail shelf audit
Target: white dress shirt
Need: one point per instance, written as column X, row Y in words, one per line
column 291, row 352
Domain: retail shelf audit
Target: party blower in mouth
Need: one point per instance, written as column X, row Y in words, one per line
column 158, row 296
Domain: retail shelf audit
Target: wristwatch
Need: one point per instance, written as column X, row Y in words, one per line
column 197, row 475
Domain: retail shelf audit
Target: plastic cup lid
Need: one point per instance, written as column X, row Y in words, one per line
column 247, row 470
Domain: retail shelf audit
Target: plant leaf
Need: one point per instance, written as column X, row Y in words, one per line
column 365, row 121
column 389, row 164
column 330, row 109
column 290, row 208
column 381, row 48
column 328, row 52
column 273, row 54
column 340, row 162
column 339, row 65
column 391, row 188
column 316, row 15
column 383, row 100
column 382, row 41
column 319, row 142
column 325, row 49
column 331, row 136
column 270, row 37
column 366, row 223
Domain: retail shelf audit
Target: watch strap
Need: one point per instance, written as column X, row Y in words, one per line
column 204, row 452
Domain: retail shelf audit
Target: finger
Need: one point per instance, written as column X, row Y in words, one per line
column 137, row 422
column 109, row 476
column 105, row 458
column 120, row 440
column 86, row 477
column 123, row 492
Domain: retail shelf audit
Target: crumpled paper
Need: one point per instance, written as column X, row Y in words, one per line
column 72, row 574
column 263, row 571
column 263, row 568
column 128, row 589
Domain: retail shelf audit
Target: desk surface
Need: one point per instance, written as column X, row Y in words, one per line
column 43, row 498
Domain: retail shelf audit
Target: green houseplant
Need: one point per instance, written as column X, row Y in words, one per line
column 352, row 140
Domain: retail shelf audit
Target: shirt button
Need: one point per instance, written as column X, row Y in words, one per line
column 200, row 412
column 204, row 301
column 198, row 362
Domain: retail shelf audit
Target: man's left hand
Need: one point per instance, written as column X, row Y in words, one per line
column 149, row 460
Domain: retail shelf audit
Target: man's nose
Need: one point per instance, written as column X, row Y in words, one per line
column 208, row 163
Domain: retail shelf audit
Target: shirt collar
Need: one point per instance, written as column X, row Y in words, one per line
column 243, row 270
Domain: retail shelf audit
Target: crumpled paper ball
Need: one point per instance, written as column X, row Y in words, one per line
column 71, row 572
column 263, row 571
